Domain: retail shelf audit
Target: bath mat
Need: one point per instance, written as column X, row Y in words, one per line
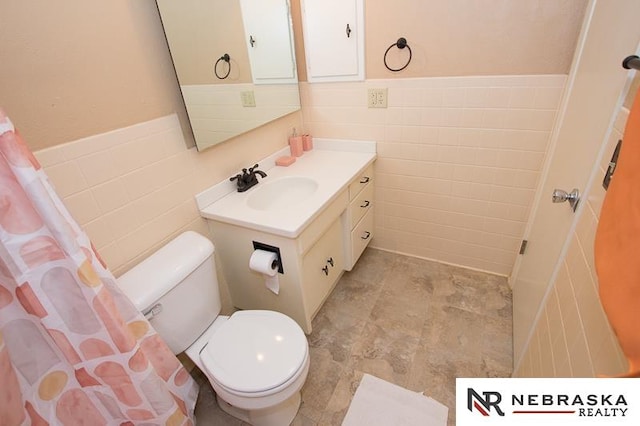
column 380, row 403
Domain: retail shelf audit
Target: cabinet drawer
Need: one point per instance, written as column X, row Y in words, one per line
column 360, row 182
column 361, row 204
column 321, row 267
column 360, row 236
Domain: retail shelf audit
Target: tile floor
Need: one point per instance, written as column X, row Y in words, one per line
column 412, row 322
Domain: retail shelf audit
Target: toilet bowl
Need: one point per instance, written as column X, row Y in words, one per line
column 256, row 361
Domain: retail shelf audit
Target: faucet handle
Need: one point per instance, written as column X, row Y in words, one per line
column 255, row 166
column 238, row 176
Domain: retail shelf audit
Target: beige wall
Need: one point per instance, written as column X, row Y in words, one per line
column 573, row 337
column 479, row 37
column 81, row 68
column 463, row 37
column 78, row 68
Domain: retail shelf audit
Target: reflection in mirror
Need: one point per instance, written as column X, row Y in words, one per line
column 261, row 84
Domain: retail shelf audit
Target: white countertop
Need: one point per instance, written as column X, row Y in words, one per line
column 332, row 164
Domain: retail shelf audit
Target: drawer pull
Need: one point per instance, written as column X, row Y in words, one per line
column 366, row 235
column 330, row 261
column 366, row 204
column 365, row 179
column 325, row 270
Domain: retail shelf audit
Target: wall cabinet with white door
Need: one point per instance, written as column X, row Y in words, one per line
column 334, row 39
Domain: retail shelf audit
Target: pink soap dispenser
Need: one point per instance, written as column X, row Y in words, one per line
column 295, row 144
column 307, row 142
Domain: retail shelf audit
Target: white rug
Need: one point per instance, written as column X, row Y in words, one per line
column 380, row 403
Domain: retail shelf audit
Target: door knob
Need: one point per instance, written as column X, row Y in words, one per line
column 560, row 196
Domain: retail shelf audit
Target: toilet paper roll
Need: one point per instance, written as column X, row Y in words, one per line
column 266, row 263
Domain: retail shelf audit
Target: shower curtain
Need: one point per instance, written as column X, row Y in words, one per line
column 73, row 348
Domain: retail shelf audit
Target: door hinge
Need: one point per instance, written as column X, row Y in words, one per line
column 612, row 166
column 523, row 246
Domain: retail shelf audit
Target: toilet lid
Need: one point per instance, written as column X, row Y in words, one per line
column 254, row 351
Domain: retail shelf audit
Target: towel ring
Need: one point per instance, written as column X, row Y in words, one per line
column 227, row 59
column 400, row 44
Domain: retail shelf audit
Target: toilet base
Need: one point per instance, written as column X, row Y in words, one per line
column 278, row 415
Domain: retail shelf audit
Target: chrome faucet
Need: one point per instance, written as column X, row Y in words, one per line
column 248, row 178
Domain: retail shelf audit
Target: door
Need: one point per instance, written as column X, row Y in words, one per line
column 610, row 33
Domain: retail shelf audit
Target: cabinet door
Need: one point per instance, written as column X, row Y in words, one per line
column 321, row 267
column 269, row 38
column 333, row 39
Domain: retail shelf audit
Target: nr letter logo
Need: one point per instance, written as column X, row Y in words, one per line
column 484, row 404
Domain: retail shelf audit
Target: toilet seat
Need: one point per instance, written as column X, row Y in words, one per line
column 255, row 352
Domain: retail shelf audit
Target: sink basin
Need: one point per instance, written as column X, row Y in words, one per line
column 281, row 193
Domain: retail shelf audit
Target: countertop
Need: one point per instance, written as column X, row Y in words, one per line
column 332, row 164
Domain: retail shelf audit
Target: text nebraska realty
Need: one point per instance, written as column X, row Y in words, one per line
column 586, row 405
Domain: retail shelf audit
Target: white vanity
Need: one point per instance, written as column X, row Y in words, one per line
column 317, row 213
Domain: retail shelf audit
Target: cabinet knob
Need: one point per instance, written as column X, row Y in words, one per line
column 348, row 31
column 325, row 270
column 330, row 261
column 365, row 179
column 366, row 235
column 366, row 204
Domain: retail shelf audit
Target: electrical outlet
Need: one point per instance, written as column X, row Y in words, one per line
column 377, row 98
column 248, row 98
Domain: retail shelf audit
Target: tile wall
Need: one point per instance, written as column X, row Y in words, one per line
column 133, row 189
column 458, row 159
column 573, row 337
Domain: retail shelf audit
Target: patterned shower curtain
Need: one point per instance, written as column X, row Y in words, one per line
column 73, row 348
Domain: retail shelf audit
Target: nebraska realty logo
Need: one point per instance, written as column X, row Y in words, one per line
column 552, row 401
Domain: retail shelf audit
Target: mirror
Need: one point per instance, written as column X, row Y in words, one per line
column 255, row 84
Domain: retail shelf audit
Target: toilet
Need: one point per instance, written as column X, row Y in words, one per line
column 255, row 360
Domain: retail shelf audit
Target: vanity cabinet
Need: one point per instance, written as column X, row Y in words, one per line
column 322, row 266
column 334, row 39
column 312, row 260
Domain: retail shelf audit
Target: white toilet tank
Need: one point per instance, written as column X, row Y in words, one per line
column 177, row 289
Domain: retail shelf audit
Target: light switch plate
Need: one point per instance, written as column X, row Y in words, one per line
column 377, row 98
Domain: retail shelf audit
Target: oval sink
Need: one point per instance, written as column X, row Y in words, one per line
column 281, row 193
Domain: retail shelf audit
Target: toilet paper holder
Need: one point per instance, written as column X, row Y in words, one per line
column 266, row 247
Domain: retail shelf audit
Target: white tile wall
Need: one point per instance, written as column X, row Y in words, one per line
column 133, row 189
column 122, row 184
column 458, row 159
column 573, row 337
